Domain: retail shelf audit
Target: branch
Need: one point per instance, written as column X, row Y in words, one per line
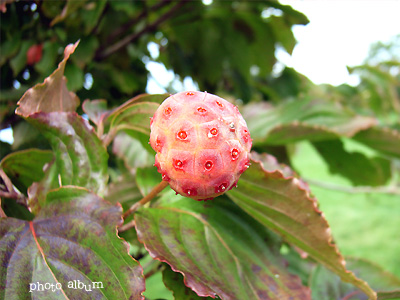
column 125, row 27
column 154, row 192
column 393, row 190
column 7, row 190
column 2, row 213
column 135, row 36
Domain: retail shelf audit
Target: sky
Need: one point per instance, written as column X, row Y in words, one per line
column 339, row 34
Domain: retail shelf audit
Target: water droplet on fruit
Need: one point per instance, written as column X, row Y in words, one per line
column 201, row 110
column 221, row 188
column 182, row 135
column 168, row 111
column 190, row 192
column 208, row 165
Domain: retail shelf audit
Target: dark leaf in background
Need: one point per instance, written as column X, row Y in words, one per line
column 72, row 238
column 325, row 285
column 284, row 205
column 385, row 140
column 51, row 95
column 302, row 119
column 25, row 167
column 147, row 178
column 174, row 282
column 355, row 166
column 219, row 250
column 124, row 191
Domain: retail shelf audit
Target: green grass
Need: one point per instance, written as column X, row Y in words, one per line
column 365, row 225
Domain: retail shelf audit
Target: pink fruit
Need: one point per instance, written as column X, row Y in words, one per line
column 202, row 144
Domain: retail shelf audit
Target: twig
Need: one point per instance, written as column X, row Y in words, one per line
column 125, row 27
column 135, row 36
column 393, row 190
column 157, row 267
column 127, row 226
column 2, row 213
column 8, row 191
column 158, row 188
column 347, row 297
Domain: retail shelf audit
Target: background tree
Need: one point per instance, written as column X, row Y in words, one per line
column 341, row 140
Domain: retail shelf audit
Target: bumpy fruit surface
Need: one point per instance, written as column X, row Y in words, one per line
column 202, row 144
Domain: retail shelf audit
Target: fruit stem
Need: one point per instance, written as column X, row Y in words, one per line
column 154, row 192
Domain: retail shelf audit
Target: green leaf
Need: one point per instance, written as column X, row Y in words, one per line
column 284, row 205
column 84, row 54
column 302, row 119
column 51, row 95
column 49, row 58
column 385, row 140
column 10, row 48
column 135, row 114
column 37, row 192
column 147, row 178
column 355, row 166
column 26, row 166
column 174, row 282
column 18, row 62
column 72, row 238
column 70, row 7
column 132, row 152
column 393, row 295
column 325, row 285
column 124, row 191
column 218, row 248
column 27, row 136
column 96, row 110
column 74, row 76
column 81, row 158
column 92, row 13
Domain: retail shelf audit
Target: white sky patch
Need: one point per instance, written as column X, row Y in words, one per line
column 6, row 135
column 339, row 34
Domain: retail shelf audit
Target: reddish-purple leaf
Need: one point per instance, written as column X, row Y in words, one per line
column 73, row 238
column 218, row 248
column 51, row 95
column 284, row 204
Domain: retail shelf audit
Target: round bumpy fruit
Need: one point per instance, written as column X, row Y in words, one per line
column 202, row 144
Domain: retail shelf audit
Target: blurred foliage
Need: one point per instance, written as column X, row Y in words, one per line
column 225, row 47
column 228, row 48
